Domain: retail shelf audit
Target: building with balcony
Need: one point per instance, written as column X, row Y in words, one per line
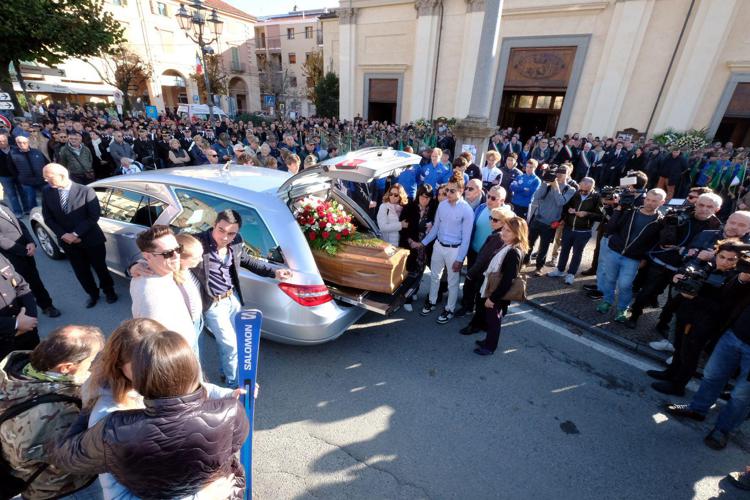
column 284, row 43
column 152, row 31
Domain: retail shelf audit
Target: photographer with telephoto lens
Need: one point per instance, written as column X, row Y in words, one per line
column 704, row 290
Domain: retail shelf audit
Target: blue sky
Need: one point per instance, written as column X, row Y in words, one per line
column 269, row 7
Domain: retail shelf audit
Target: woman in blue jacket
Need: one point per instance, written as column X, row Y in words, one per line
column 524, row 187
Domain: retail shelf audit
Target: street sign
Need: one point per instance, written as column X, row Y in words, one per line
column 118, row 95
column 152, row 113
column 269, row 100
column 247, row 328
column 196, row 98
column 6, row 105
column 4, row 96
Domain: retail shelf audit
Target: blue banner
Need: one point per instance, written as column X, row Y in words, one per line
column 247, row 327
column 152, row 112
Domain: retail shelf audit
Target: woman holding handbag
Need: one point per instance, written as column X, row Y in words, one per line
column 503, row 281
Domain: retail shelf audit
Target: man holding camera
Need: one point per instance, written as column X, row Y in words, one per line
column 633, row 231
column 704, row 290
column 545, row 212
column 677, row 234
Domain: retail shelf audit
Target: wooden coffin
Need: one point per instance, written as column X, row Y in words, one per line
column 378, row 267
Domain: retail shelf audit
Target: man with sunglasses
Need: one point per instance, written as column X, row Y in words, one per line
column 454, row 221
column 157, row 296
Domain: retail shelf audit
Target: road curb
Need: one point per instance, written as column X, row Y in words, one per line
column 633, row 346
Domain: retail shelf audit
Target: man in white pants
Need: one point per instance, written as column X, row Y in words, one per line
column 452, row 235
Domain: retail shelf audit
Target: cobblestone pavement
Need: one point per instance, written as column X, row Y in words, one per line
column 569, row 302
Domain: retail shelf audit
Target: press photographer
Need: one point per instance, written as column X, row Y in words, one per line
column 545, row 211
column 678, row 229
column 706, row 292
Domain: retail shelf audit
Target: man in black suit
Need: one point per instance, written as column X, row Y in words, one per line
column 72, row 210
column 17, row 246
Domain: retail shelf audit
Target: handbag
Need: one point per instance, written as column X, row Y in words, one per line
column 517, row 290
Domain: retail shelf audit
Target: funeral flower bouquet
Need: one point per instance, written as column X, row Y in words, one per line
column 325, row 223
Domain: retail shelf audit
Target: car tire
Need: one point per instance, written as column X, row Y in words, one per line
column 47, row 243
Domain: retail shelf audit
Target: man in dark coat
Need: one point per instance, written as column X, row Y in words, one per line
column 72, row 211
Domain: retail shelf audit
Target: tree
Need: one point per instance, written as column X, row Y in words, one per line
column 273, row 80
column 50, row 31
column 216, row 76
column 124, row 69
column 313, row 71
column 327, row 95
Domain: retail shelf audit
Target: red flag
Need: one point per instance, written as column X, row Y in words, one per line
column 198, row 65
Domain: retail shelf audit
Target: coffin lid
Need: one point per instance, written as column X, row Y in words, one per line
column 362, row 165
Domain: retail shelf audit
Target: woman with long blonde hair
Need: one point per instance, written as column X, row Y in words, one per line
column 504, row 267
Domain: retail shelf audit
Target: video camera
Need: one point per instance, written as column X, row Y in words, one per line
column 550, row 174
column 697, row 273
column 625, row 192
column 674, row 219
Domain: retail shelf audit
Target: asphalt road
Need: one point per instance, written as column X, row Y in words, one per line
column 402, row 408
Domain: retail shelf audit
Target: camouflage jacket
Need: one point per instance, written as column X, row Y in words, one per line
column 23, row 438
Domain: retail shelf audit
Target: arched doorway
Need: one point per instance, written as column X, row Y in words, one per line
column 238, row 95
column 173, row 88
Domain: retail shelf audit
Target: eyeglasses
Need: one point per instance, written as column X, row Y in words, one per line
column 451, row 190
column 394, row 194
column 492, row 219
column 211, row 156
column 471, row 188
column 168, row 254
column 493, row 198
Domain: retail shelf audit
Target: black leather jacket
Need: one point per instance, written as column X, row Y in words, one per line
column 173, row 448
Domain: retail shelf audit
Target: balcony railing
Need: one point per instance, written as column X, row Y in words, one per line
column 237, row 67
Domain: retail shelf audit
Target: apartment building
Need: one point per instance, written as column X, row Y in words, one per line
column 284, row 43
column 153, row 32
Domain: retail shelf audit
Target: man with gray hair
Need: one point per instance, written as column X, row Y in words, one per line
column 665, row 259
column 579, row 215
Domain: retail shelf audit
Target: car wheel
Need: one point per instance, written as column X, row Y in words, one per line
column 47, row 242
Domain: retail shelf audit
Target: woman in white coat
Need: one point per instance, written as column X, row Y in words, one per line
column 389, row 214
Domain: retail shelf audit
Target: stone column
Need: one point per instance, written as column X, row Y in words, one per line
column 469, row 50
column 425, row 58
column 477, row 126
column 623, row 44
column 347, row 62
column 694, row 64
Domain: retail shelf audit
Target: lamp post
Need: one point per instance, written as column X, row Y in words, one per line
column 196, row 25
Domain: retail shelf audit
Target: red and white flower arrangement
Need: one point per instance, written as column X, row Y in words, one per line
column 325, row 223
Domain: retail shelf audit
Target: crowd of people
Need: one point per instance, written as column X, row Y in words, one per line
column 459, row 219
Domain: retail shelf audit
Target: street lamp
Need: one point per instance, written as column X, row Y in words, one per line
column 196, row 28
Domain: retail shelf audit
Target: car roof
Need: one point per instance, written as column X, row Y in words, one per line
column 209, row 177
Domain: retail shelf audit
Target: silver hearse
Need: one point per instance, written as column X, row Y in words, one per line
column 304, row 310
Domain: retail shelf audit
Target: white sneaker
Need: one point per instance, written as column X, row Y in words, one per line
column 555, row 273
column 662, row 345
column 569, row 279
column 408, row 307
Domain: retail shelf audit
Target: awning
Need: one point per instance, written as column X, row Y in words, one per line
column 66, row 88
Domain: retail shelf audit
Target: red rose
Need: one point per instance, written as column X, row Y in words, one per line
column 338, row 236
column 324, row 235
column 330, row 219
column 322, row 224
column 345, row 232
column 312, row 235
